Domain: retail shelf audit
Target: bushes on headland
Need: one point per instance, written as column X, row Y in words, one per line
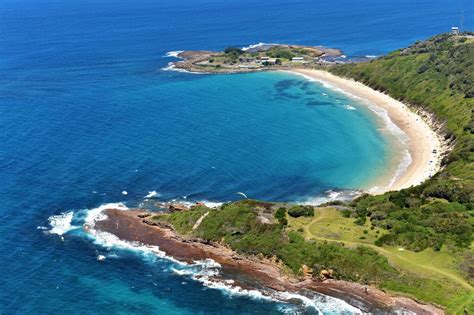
column 301, row 211
column 253, row 228
column 245, row 227
column 233, row 53
column 437, row 76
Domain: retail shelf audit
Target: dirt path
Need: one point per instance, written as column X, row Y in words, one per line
column 392, row 257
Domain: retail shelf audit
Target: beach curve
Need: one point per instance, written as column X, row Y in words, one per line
column 425, row 146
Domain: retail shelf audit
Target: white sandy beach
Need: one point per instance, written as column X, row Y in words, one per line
column 424, row 144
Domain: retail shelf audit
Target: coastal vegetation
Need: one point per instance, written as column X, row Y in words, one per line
column 436, row 76
column 265, row 57
column 417, row 241
column 325, row 245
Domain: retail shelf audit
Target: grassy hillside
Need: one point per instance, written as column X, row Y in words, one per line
column 417, row 241
column 437, row 76
column 307, row 241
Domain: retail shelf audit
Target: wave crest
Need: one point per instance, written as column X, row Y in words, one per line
column 61, row 223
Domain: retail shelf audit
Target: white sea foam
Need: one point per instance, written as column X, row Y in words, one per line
column 203, row 271
column 331, row 195
column 173, row 54
column 405, row 158
column 208, row 269
column 389, row 126
column 97, row 214
column 172, row 67
column 371, row 56
column 257, row 45
column 322, row 303
column 61, row 223
column 349, row 107
column 111, row 241
column 207, row 203
column 328, row 85
column 152, row 194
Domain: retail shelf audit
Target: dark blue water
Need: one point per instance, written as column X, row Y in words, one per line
column 86, row 112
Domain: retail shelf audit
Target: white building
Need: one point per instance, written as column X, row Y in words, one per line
column 297, row 59
column 455, row 30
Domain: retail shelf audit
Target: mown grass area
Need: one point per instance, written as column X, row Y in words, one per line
column 329, row 223
column 422, row 274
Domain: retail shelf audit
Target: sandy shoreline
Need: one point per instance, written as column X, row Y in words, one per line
column 425, row 146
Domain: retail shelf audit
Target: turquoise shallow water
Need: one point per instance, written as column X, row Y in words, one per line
column 86, row 113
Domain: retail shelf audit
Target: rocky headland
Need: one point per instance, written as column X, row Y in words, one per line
column 249, row 272
column 259, row 58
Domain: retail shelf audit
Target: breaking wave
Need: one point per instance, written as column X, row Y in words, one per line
column 258, row 45
column 152, row 194
column 173, row 54
column 60, row 224
column 207, row 272
column 404, row 159
column 172, row 67
column 332, row 195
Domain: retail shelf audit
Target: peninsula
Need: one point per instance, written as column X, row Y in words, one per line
column 258, row 58
column 410, row 247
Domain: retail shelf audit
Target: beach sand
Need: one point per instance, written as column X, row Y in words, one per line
column 424, row 145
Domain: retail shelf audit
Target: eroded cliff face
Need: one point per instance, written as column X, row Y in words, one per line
column 247, row 272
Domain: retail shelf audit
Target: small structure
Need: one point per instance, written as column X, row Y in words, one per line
column 264, row 58
column 297, row 59
column 455, row 30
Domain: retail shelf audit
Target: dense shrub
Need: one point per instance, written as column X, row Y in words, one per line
column 436, row 75
column 301, row 211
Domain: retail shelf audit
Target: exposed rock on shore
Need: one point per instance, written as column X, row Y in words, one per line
column 250, row 272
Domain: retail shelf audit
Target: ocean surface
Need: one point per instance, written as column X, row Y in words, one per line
column 89, row 116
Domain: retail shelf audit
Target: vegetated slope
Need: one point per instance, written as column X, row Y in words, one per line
column 260, row 229
column 437, row 76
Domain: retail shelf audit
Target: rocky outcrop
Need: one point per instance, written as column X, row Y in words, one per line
column 177, row 207
column 252, row 272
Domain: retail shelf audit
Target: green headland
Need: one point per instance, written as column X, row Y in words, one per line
column 416, row 242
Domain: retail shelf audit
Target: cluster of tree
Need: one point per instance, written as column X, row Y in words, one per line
column 233, row 53
column 280, row 52
column 417, row 218
column 280, row 215
column 238, row 226
column 301, row 211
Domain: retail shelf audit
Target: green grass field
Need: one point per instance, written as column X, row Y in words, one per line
column 447, row 286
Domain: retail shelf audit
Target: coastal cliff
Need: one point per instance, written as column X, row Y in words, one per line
column 415, row 242
column 269, row 275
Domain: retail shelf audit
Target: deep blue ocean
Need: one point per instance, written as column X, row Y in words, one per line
column 88, row 116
